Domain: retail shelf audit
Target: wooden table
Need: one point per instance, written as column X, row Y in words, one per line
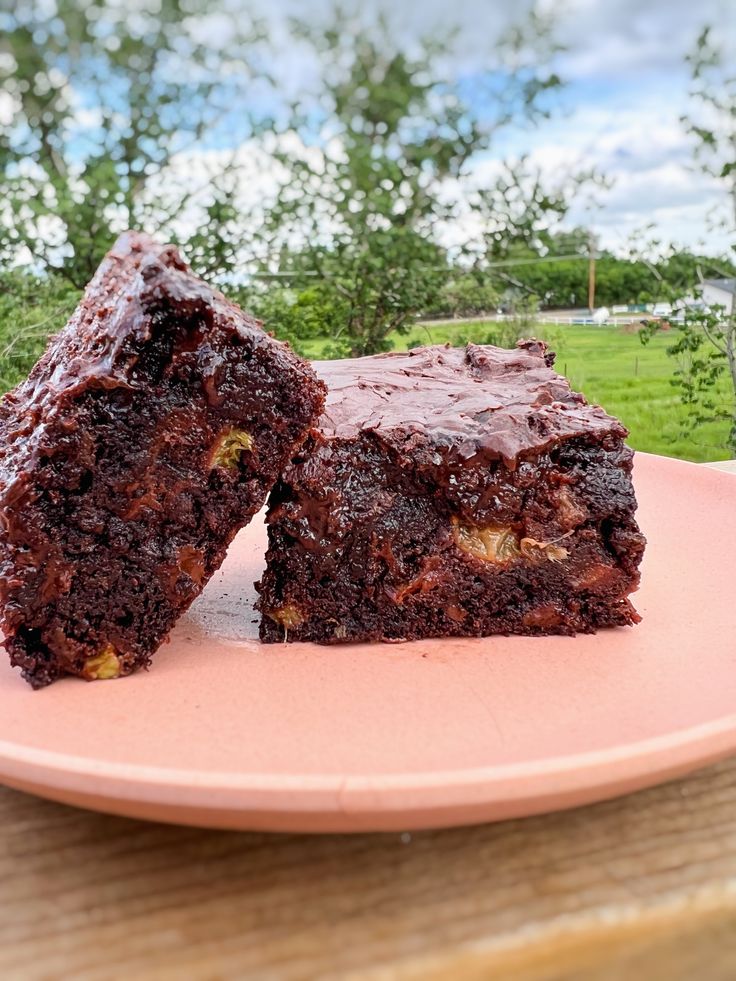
column 642, row 887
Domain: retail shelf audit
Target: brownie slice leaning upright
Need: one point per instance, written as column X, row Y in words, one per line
column 149, row 432
column 463, row 491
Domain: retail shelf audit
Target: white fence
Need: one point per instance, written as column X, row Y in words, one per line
column 588, row 321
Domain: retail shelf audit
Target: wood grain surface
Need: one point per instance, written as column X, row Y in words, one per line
column 644, row 886
column 641, row 887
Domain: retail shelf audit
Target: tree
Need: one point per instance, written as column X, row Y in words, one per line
column 521, row 211
column 100, row 99
column 705, row 339
column 467, row 294
column 704, row 345
column 523, row 247
column 300, row 313
column 365, row 194
column 713, row 121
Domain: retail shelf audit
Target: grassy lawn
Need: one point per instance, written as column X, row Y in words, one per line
column 611, row 367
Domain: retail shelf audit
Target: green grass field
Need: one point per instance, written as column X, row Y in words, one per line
column 611, row 367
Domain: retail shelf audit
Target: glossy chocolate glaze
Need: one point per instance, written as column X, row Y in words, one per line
column 465, row 401
column 134, row 286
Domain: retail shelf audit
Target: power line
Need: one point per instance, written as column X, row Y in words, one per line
column 535, row 261
column 490, row 265
column 285, row 274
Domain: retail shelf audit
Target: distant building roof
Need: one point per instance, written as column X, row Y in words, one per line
column 727, row 285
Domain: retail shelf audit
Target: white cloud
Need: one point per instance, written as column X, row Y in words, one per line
column 253, row 176
column 647, row 157
column 627, row 40
column 625, row 62
column 8, row 108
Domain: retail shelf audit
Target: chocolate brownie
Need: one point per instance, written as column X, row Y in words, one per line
column 452, row 491
column 149, row 432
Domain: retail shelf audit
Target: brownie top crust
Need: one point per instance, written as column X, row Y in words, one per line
column 137, row 281
column 138, row 285
column 477, row 399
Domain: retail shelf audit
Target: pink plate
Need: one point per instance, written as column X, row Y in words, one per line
column 224, row 732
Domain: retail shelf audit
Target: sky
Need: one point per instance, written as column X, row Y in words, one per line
column 626, row 89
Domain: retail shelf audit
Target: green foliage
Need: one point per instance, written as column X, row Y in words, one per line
column 106, row 101
column 704, row 344
column 364, row 202
column 522, row 322
column 466, row 295
column 103, row 100
column 521, row 211
column 610, row 367
column 563, row 283
column 31, row 308
column 713, row 120
column 704, row 347
column 301, row 315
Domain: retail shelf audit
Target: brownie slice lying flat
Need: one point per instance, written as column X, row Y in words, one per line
column 452, row 491
column 149, row 432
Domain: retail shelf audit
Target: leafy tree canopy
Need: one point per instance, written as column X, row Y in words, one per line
column 99, row 97
column 362, row 204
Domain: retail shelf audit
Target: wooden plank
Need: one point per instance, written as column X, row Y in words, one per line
column 94, row 896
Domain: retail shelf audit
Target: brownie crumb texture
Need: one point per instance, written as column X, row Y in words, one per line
column 452, row 492
column 149, row 432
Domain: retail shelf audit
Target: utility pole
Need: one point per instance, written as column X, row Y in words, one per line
column 591, row 273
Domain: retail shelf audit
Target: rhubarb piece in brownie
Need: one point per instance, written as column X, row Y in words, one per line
column 452, row 491
column 149, row 432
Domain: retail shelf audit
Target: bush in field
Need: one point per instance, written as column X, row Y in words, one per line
column 466, row 295
column 31, row 308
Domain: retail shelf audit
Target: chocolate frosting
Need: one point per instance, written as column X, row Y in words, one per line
column 477, row 399
column 123, row 308
column 137, row 280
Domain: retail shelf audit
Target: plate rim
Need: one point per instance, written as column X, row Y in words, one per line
column 591, row 775
column 239, row 781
